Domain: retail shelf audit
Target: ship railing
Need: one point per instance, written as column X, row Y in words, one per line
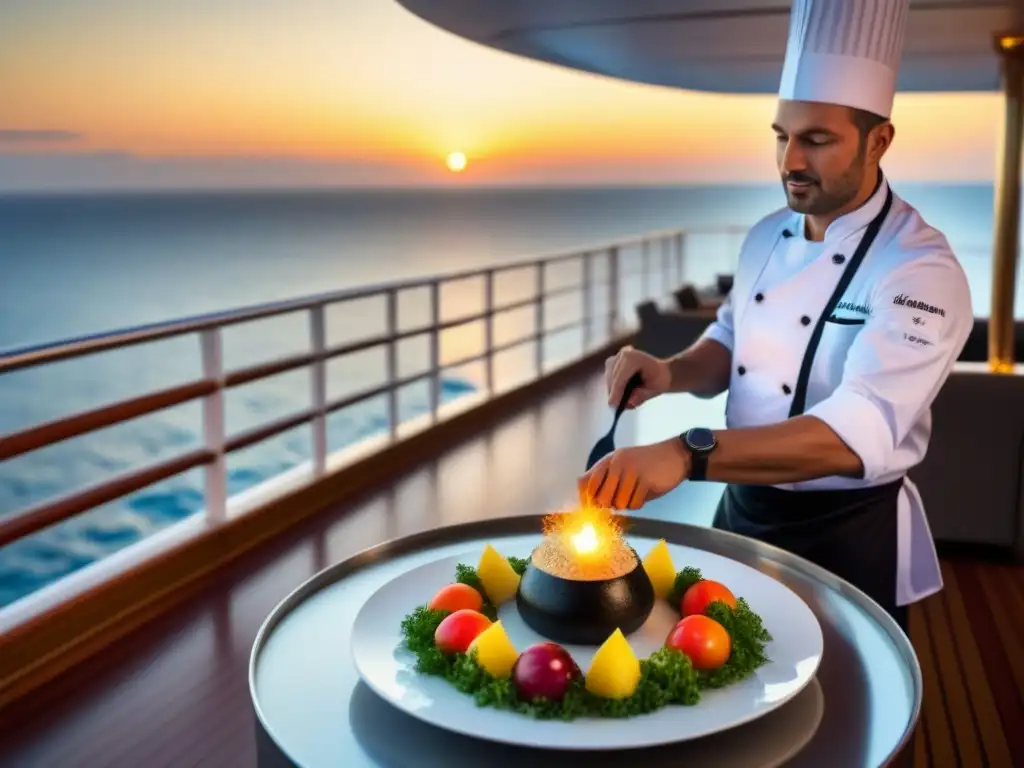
column 657, row 258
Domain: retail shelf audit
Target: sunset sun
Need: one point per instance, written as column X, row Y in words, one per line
column 456, row 162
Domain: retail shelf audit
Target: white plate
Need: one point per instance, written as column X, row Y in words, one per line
column 389, row 669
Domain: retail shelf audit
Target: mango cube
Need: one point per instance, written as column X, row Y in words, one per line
column 497, row 577
column 660, row 569
column 615, row 671
column 494, row 651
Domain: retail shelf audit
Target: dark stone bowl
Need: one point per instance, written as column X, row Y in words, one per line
column 584, row 612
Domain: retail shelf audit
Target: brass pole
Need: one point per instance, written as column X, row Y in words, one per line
column 1006, row 243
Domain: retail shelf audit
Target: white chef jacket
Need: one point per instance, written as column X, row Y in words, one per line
column 882, row 358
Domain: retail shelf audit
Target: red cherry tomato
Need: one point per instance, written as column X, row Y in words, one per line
column 455, row 597
column 702, row 594
column 704, row 640
column 457, row 630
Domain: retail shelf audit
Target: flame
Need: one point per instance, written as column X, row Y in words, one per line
column 587, row 532
column 587, row 540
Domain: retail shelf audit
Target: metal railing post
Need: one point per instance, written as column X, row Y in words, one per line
column 392, row 362
column 435, row 349
column 670, row 257
column 647, row 269
column 666, row 263
column 588, row 298
column 539, row 357
column 318, row 386
column 211, row 346
column 680, row 250
column 489, row 331
column 613, row 291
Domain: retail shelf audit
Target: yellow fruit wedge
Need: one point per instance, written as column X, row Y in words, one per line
column 494, row 651
column 499, row 581
column 615, row 671
column 660, row 570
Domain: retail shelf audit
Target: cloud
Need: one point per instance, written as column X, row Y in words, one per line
column 37, row 136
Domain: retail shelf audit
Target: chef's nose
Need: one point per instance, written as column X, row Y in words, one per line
column 793, row 158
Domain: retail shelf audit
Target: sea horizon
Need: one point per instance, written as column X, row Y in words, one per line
column 443, row 187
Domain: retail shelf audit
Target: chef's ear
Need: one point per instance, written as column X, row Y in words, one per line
column 879, row 141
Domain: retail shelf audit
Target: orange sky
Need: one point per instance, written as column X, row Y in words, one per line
column 360, row 91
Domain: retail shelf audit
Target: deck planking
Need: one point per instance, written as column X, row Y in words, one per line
column 175, row 693
column 970, row 643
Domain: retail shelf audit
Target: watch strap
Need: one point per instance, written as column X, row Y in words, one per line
column 698, row 465
column 698, row 457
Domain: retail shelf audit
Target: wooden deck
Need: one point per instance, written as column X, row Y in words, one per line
column 970, row 642
column 175, row 692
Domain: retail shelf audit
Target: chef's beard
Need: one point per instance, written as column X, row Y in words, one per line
column 821, row 199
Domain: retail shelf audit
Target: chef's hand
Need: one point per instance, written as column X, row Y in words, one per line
column 629, row 477
column 620, row 368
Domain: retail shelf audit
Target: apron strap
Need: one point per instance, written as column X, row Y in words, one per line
column 800, row 392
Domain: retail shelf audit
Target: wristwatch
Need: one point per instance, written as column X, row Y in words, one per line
column 700, row 442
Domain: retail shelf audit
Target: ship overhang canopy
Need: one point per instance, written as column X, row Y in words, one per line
column 724, row 46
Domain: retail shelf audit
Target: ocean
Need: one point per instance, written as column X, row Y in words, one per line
column 76, row 265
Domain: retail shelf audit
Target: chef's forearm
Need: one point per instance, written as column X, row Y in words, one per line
column 796, row 450
column 702, row 369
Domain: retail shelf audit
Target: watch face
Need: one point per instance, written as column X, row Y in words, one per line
column 700, row 439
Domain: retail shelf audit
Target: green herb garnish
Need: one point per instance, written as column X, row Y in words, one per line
column 748, row 638
column 685, row 579
column 519, row 564
column 666, row 676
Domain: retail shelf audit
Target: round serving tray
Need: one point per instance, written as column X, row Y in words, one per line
column 312, row 710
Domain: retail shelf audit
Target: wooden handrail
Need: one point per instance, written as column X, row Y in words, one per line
column 79, row 424
column 366, row 394
column 270, row 368
column 268, row 430
column 46, row 514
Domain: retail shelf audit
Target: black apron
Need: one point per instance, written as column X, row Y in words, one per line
column 852, row 533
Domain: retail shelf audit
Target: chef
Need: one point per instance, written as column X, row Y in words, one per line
column 847, row 313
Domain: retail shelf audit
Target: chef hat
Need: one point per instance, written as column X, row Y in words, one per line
column 844, row 52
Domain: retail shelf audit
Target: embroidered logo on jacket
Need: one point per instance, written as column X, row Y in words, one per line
column 849, row 306
column 903, row 300
column 917, row 340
